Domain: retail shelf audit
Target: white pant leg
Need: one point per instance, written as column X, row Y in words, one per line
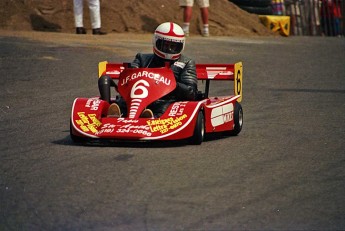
column 78, row 13
column 95, row 14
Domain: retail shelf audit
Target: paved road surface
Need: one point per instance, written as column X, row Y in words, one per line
column 285, row 171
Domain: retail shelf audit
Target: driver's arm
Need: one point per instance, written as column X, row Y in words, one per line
column 186, row 86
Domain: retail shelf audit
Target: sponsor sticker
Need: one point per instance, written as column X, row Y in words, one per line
column 177, row 109
column 158, row 78
column 88, row 123
column 164, row 125
column 221, row 115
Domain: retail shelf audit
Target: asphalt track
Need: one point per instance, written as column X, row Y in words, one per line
column 285, row 171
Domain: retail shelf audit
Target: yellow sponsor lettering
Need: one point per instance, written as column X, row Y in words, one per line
column 92, row 128
column 95, row 120
column 164, row 125
column 84, row 128
column 88, row 122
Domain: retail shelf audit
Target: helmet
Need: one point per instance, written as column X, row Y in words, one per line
column 168, row 41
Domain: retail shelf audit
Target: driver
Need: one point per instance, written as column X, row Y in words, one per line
column 168, row 44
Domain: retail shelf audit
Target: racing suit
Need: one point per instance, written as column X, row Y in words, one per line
column 186, row 81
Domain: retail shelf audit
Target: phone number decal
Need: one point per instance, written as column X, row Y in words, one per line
column 164, row 125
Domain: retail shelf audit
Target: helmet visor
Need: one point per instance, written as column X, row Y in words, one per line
column 169, row 47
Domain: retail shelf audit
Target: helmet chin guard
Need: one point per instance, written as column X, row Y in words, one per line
column 168, row 41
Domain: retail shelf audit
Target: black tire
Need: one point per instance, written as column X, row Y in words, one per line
column 199, row 130
column 75, row 139
column 267, row 10
column 238, row 120
column 255, row 3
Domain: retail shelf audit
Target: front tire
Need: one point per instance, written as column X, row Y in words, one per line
column 199, row 130
column 75, row 139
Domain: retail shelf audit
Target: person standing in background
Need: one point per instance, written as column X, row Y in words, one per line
column 337, row 17
column 187, row 6
column 95, row 16
column 330, row 17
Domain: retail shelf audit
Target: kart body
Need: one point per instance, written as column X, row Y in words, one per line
column 139, row 87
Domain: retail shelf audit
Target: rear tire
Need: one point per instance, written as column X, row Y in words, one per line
column 238, row 121
column 199, row 130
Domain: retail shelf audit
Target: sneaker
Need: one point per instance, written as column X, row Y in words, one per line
column 80, row 30
column 98, row 31
column 114, row 111
column 185, row 29
column 205, row 33
column 147, row 113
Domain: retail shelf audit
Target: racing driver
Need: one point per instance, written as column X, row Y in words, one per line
column 168, row 44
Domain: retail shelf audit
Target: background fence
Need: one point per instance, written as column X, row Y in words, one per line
column 313, row 17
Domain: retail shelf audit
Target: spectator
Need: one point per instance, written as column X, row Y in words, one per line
column 278, row 7
column 95, row 17
column 337, row 17
column 330, row 17
column 187, row 6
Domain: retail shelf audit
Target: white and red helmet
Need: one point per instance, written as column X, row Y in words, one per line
column 168, row 41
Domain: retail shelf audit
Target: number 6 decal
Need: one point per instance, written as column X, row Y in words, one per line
column 238, row 81
column 143, row 92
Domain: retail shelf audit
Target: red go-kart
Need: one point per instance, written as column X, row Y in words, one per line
column 140, row 87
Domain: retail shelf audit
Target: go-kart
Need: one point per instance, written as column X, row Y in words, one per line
column 139, row 87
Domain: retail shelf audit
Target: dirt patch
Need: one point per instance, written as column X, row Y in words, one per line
column 135, row 16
